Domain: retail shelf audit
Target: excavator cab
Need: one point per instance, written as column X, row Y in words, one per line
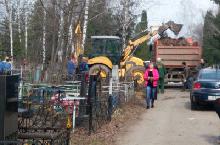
column 108, row 46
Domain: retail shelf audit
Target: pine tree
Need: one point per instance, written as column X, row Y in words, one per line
column 142, row 51
column 141, row 26
column 211, row 38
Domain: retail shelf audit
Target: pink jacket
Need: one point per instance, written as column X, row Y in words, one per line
column 155, row 75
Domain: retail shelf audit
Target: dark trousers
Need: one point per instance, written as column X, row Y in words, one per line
column 188, row 83
column 160, row 87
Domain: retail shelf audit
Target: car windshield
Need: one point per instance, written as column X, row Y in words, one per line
column 210, row 75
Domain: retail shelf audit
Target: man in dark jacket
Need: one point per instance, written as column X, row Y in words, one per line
column 201, row 65
column 83, row 66
column 162, row 73
column 186, row 73
column 71, row 67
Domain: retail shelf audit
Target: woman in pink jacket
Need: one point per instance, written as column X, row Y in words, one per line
column 151, row 77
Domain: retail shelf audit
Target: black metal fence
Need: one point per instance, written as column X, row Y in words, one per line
column 106, row 96
column 43, row 122
column 47, row 114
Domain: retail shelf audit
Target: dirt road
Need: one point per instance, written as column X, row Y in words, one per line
column 172, row 122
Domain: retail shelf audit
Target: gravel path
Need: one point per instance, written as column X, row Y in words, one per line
column 172, row 122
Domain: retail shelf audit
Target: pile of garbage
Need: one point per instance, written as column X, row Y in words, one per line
column 167, row 41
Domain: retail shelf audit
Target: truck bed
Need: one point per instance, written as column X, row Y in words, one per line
column 173, row 56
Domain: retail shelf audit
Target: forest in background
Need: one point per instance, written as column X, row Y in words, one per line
column 43, row 31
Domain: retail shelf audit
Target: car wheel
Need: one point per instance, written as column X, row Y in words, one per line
column 194, row 106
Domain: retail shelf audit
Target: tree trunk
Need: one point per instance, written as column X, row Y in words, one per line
column 54, row 34
column 125, row 21
column 11, row 30
column 70, row 41
column 44, row 37
column 85, row 23
column 59, row 52
column 70, row 26
column 26, row 31
column 19, row 20
column 8, row 6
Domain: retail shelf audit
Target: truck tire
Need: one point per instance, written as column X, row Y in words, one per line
column 95, row 69
column 136, row 73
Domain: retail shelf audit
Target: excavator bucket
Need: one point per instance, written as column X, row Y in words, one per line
column 176, row 28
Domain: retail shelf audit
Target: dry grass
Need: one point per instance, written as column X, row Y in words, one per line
column 106, row 135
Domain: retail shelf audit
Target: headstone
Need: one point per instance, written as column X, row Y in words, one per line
column 115, row 76
column 8, row 105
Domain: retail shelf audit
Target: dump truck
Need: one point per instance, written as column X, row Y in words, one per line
column 175, row 51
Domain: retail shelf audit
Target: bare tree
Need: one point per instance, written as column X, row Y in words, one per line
column 19, row 19
column 8, row 6
column 26, row 27
column 60, row 38
column 44, row 36
column 50, row 23
column 87, row 2
column 70, row 32
column 126, row 16
column 126, row 20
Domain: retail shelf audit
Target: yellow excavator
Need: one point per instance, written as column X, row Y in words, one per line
column 107, row 51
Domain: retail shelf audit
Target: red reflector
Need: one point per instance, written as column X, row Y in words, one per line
column 197, row 86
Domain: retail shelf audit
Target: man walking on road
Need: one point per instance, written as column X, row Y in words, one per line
column 162, row 73
column 186, row 73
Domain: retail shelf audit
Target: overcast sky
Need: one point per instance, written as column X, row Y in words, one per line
column 187, row 12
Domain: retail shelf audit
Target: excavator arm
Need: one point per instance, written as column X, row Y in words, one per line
column 147, row 35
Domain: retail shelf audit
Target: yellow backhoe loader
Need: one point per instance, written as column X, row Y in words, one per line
column 107, row 51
